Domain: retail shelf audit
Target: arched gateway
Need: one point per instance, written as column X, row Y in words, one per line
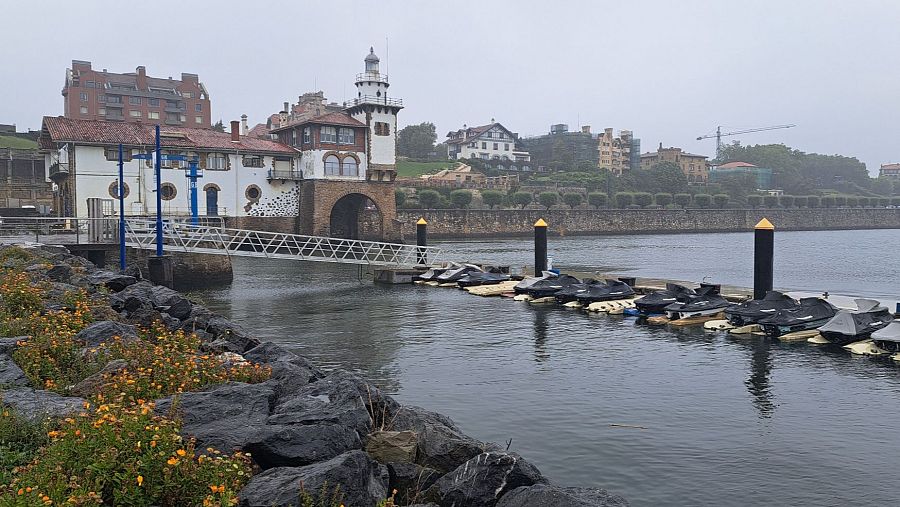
column 349, row 209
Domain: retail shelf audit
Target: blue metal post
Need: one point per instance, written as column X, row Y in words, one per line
column 159, row 225
column 121, row 210
column 193, row 177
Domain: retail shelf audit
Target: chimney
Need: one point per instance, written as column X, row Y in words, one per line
column 235, row 132
column 660, row 145
column 585, row 129
column 282, row 119
column 244, row 128
column 287, row 107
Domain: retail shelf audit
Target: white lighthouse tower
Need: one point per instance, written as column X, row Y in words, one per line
column 378, row 111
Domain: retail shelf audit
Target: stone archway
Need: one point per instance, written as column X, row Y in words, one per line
column 355, row 216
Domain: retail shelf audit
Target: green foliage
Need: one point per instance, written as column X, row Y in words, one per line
column 624, row 199
column 801, row 201
column 219, row 126
column 813, row 201
column 884, row 201
column 895, row 201
column 548, row 199
column 702, row 200
column 770, row 201
column 326, row 497
column 429, row 199
column 737, row 186
column 18, row 143
column 522, row 199
column 721, row 200
column 416, row 141
column 461, row 198
column 787, row 201
column 840, row 200
column 663, row 199
column 829, row 201
column 755, row 200
column 643, row 199
column 399, row 197
column 682, row 199
column 598, row 199
column 492, row 198
column 863, row 201
column 572, row 199
column 20, row 440
column 851, row 200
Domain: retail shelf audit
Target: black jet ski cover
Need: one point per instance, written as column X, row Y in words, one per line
column 750, row 312
column 551, row 286
column 657, row 302
column 610, row 291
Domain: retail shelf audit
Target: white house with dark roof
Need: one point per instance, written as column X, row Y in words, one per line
column 494, row 144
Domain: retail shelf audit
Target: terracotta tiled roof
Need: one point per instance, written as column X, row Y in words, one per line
column 259, row 130
column 341, row 119
column 732, row 165
column 59, row 129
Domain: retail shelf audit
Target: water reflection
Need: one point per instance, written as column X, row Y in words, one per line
column 758, row 381
column 541, row 326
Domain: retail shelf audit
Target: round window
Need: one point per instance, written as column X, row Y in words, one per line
column 114, row 189
column 167, row 191
column 253, row 193
column 378, row 93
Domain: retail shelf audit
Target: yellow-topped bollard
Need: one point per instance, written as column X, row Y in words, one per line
column 422, row 240
column 763, row 258
column 540, row 247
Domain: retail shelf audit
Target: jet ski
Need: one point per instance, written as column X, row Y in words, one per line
column 849, row 326
column 809, row 314
column 550, row 286
column 522, row 286
column 610, row 291
column 452, row 275
column 433, row 273
column 481, row 278
column 655, row 304
column 702, row 303
column 888, row 337
column 570, row 293
column 755, row 310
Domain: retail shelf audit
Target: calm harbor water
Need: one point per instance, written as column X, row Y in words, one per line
column 727, row 421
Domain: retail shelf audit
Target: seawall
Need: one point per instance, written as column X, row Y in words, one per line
column 493, row 223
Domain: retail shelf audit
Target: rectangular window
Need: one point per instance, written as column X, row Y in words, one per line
column 112, row 154
column 216, row 162
column 83, row 110
column 506, row 146
column 345, row 135
column 134, row 101
column 198, row 119
column 101, row 97
column 327, row 135
column 172, row 118
column 252, row 161
column 153, row 115
column 198, row 108
column 102, row 111
column 182, row 118
column 495, row 146
column 382, row 128
column 483, row 145
column 307, row 133
column 187, row 95
column 113, row 99
column 473, row 145
column 90, row 84
column 84, row 97
column 502, row 135
column 484, row 156
column 134, row 114
column 153, row 102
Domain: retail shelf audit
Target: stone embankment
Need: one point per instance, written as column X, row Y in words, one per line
column 306, row 429
column 488, row 223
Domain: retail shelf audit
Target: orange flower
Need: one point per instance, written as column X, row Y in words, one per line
column 180, row 452
column 172, row 461
column 140, row 480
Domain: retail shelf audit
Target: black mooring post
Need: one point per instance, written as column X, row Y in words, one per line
column 763, row 253
column 540, row 247
column 421, row 240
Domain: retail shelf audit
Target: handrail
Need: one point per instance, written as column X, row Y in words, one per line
column 372, row 99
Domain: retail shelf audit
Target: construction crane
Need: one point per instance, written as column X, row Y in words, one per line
column 719, row 135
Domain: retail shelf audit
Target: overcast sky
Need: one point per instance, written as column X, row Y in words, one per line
column 668, row 70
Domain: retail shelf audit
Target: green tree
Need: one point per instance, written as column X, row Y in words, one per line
column 840, row 200
column 572, row 199
column 492, row 198
column 643, row 199
column 828, row 201
column 624, row 199
column 852, row 200
column 663, row 199
column 787, row 201
column 429, row 199
column 219, row 126
column 597, row 199
column 895, row 201
column 801, row 201
column 702, row 200
column 461, row 198
column 682, row 199
column 522, row 199
column 721, row 200
column 399, row 197
column 548, row 199
column 813, row 201
column 754, row 200
column 770, row 200
column 884, row 201
column 416, row 141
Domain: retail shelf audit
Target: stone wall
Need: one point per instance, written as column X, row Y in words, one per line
column 192, row 270
column 285, row 225
column 485, row 223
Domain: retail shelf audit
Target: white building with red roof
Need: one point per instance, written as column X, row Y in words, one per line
column 493, row 143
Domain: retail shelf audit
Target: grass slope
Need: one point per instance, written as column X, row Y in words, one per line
column 17, row 143
column 409, row 169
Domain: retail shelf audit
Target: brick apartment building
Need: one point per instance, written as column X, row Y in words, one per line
column 90, row 94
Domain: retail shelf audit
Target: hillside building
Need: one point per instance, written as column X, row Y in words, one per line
column 493, row 143
column 618, row 154
column 90, row 94
column 889, row 171
column 695, row 167
column 763, row 175
column 561, row 148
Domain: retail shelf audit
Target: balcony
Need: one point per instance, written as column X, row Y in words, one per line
column 174, row 109
column 58, row 171
column 371, row 76
column 372, row 99
column 284, row 175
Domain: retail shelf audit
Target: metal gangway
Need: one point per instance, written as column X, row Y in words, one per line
column 179, row 236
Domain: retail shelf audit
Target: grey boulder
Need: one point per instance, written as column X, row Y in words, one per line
column 225, row 417
column 8, row 344
column 37, row 405
column 104, row 331
column 543, row 495
column 91, row 385
column 392, row 446
column 298, row 445
column 441, row 445
column 113, row 281
column 222, row 328
column 481, row 481
column 11, row 374
column 410, row 481
column 60, row 273
column 362, row 482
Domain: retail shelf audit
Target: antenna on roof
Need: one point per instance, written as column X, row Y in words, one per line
column 387, row 57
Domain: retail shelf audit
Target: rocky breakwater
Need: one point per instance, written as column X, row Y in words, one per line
column 308, row 431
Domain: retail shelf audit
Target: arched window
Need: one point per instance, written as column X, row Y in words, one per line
column 349, row 167
column 332, row 166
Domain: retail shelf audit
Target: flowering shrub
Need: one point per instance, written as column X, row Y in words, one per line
column 20, row 439
column 119, row 455
column 20, row 303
